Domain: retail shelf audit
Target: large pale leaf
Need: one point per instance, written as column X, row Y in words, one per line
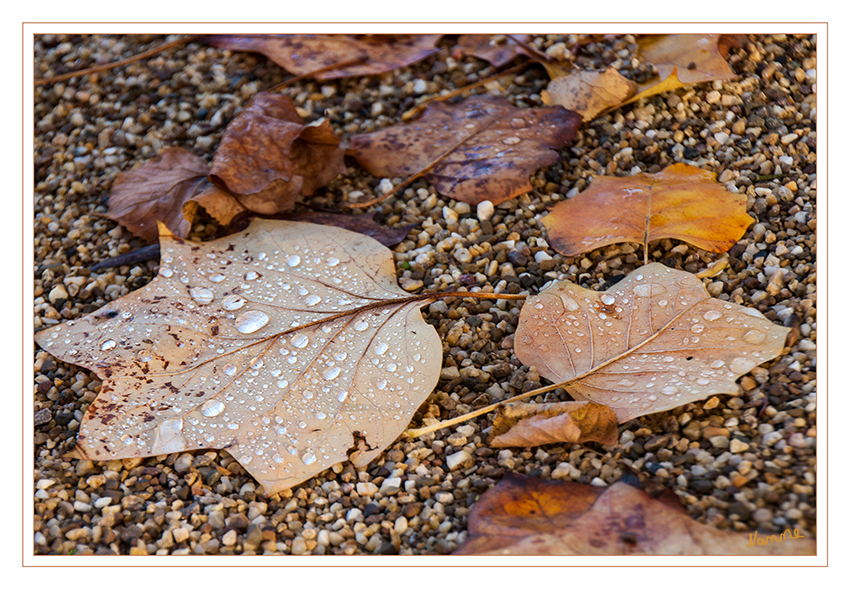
column 531, row 516
column 653, row 341
column 289, row 344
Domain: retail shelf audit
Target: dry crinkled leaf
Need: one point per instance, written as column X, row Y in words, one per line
column 267, row 156
column 157, row 191
column 494, row 49
column 305, row 54
column 653, row 341
column 287, row 344
column 679, row 202
column 574, row 422
column 531, row 516
column 590, row 93
column 504, row 146
column 218, row 204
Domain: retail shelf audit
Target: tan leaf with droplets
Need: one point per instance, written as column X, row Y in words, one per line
column 574, row 422
column 285, row 344
column 589, row 93
column 653, row 341
column 679, row 202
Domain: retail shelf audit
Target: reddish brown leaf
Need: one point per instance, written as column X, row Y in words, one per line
column 530, row 516
column 495, row 49
column 504, row 146
column 156, row 191
column 575, row 422
column 679, row 202
column 304, row 54
column 267, row 156
column 218, row 204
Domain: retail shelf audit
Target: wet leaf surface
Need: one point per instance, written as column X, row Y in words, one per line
column 653, row 341
column 157, row 191
column 531, row 516
column 304, row 54
column 679, row 202
column 504, row 146
column 268, row 156
column 282, row 344
column 574, row 422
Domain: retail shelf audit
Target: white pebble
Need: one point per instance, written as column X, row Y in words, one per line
column 485, row 210
column 420, row 87
column 385, row 186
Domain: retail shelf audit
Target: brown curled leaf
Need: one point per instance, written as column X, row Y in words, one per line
column 268, row 156
column 574, row 422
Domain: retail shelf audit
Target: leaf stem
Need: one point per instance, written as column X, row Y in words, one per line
column 114, row 64
column 415, row 433
column 331, row 67
column 417, row 110
column 421, row 172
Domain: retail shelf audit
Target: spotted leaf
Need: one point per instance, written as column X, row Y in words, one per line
column 653, row 341
column 288, row 344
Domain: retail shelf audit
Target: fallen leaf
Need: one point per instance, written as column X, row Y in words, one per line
column 531, row 516
column 363, row 224
column 282, row 344
column 217, row 203
column 653, row 341
column 590, row 93
column 497, row 50
column 679, row 202
column 268, row 156
column 157, row 191
column 504, row 146
column 681, row 60
column 694, row 58
column 305, row 54
column 574, row 422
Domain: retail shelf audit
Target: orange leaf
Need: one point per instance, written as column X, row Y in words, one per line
column 304, row 54
column 157, row 191
column 530, row 516
column 267, row 156
column 574, row 422
column 504, row 146
column 680, row 202
column 696, row 57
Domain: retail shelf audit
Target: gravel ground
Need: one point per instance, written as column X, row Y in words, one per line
column 742, row 462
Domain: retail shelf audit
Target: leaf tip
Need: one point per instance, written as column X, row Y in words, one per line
column 163, row 230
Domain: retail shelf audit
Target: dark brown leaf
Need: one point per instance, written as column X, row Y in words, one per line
column 156, row 191
column 304, row 54
column 504, row 146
